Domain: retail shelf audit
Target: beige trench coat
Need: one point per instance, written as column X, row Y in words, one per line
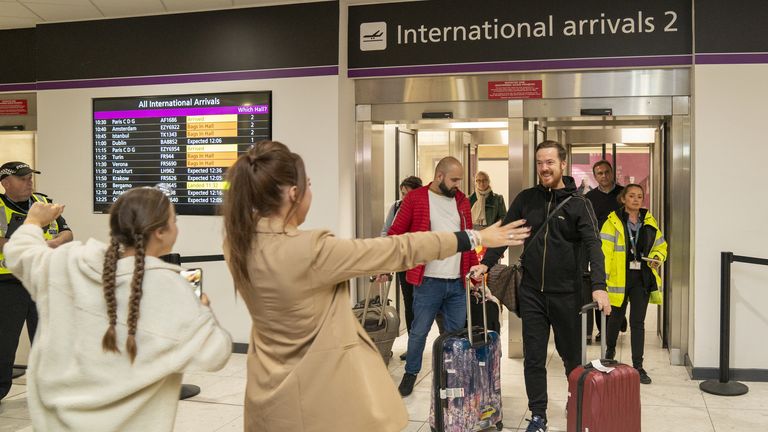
column 311, row 366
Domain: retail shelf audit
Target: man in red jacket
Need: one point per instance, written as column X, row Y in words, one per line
column 438, row 285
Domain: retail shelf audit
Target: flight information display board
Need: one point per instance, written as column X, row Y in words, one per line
column 185, row 143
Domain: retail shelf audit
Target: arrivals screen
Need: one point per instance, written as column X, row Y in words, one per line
column 182, row 143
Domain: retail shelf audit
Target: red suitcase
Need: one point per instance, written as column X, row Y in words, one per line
column 599, row 401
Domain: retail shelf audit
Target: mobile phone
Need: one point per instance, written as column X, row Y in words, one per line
column 195, row 278
column 651, row 260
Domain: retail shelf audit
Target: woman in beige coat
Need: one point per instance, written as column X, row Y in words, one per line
column 311, row 366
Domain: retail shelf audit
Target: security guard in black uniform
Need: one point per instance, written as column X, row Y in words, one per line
column 16, row 306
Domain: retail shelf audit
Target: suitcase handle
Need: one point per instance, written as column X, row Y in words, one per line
column 587, row 308
column 384, row 300
column 468, row 286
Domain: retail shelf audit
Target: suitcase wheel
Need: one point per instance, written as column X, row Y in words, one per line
column 499, row 426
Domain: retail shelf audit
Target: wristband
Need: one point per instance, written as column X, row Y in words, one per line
column 474, row 238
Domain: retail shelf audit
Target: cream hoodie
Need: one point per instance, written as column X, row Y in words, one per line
column 73, row 385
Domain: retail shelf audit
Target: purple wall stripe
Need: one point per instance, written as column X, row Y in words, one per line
column 175, row 79
column 183, row 111
column 526, row 65
column 17, row 87
column 735, row 58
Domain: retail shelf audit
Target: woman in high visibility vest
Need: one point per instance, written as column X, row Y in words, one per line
column 634, row 248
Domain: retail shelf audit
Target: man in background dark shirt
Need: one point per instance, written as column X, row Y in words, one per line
column 16, row 306
column 604, row 199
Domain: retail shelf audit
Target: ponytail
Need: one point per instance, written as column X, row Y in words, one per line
column 257, row 181
column 240, row 219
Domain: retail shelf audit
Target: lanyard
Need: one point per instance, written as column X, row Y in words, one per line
column 633, row 236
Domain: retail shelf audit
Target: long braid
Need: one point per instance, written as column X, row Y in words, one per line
column 109, row 341
column 135, row 299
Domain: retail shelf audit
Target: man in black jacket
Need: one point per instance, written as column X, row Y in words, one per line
column 604, row 199
column 550, row 294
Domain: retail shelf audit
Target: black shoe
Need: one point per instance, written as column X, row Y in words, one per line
column 406, row 385
column 610, row 354
column 598, row 337
column 403, row 356
column 624, row 326
column 589, row 340
column 644, row 378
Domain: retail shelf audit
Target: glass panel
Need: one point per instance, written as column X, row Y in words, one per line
column 634, row 166
column 582, row 159
column 432, row 146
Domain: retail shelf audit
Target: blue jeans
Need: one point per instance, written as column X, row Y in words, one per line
column 444, row 295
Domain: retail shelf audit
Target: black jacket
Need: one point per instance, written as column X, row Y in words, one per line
column 552, row 263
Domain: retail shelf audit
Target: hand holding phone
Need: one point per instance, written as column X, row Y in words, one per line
column 195, row 278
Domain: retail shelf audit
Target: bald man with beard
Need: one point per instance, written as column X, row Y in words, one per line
column 438, row 285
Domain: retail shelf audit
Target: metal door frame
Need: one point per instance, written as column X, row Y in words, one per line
column 637, row 92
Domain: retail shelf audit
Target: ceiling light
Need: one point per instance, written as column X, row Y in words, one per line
column 479, row 125
column 638, row 135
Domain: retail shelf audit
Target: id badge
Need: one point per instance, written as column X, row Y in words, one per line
column 635, row 265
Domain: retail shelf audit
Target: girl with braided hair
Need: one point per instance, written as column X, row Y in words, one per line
column 118, row 326
column 311, row 366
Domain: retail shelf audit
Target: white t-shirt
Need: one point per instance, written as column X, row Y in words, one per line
column 444, row 216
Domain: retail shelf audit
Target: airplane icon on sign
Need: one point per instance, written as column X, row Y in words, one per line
column 373, row 36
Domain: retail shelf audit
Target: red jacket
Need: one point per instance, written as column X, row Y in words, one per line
column 413, row 216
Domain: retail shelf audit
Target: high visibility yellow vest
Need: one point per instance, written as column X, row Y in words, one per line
column 615, row 250
column 49, row 233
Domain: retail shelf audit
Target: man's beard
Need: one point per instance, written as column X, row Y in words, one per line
column 450, row 193
column 554, row 179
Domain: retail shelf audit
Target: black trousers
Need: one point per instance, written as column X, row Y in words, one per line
column 539, row 312
column 407, row 290
column 638, row 296
column 16, row 306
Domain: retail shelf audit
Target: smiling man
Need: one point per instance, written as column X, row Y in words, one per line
column 550, row 294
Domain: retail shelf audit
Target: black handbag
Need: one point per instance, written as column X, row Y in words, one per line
column 504, row 281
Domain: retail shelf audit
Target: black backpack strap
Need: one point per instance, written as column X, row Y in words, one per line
column 546, row 221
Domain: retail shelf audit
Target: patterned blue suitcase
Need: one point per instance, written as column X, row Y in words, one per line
column 466, row 379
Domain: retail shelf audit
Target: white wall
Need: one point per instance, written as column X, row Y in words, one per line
column 305, row 117
column 730, row 155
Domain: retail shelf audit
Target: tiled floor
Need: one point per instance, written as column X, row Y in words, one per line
column 672, row 403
